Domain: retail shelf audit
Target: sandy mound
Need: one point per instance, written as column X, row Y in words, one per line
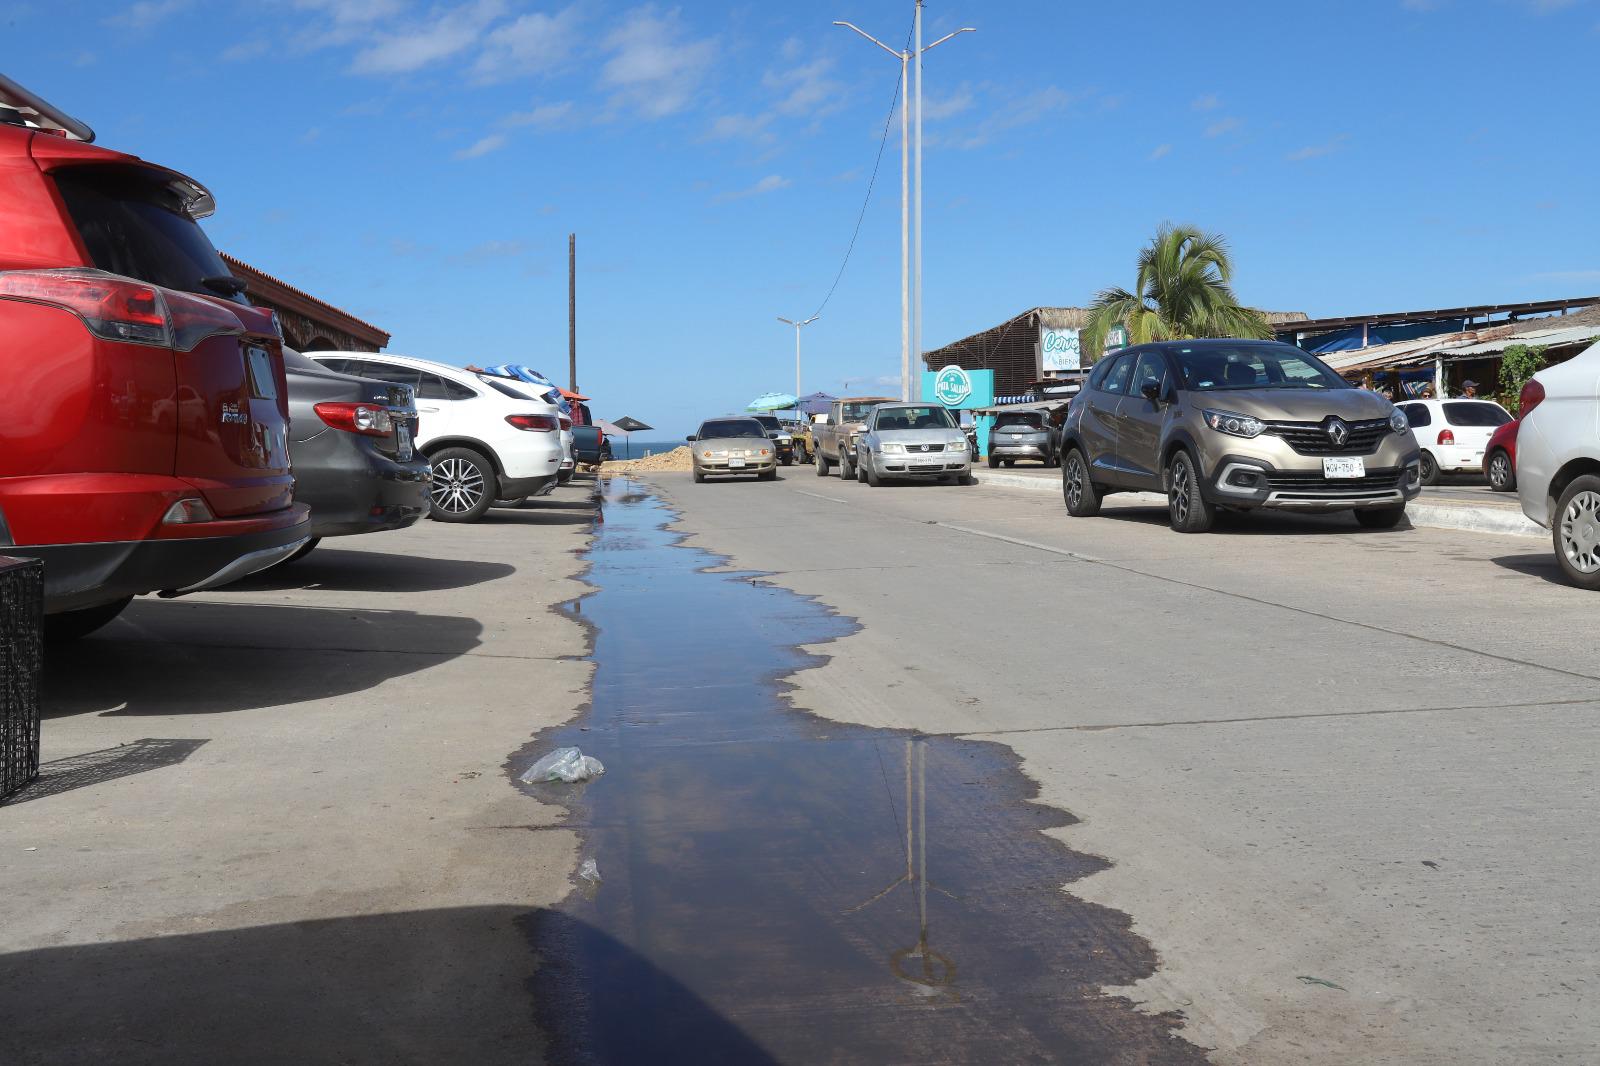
column 676, row 459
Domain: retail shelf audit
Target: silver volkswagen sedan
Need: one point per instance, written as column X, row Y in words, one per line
column 919, row 441
column 733, row 445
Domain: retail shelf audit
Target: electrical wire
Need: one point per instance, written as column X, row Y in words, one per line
column 871, row 184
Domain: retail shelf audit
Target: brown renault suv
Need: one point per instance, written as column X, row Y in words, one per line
column 1239, row 425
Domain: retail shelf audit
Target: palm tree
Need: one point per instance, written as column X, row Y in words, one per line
column 1182, row 292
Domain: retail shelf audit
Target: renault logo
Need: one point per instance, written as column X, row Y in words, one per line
column 1338, row 431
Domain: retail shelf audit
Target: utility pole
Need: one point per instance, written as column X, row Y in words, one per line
column 910, row 337
column 798, row 326
column 572, row 311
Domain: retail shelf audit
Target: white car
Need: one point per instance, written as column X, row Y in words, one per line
column 1558, row 462
column 487, row 437
column 1452, row 433
column 569, row 465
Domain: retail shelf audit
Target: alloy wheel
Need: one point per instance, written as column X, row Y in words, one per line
column 1580, row 532
column 1075, row 481
column 1180, row 490
column 1500, row 470
column 457, row 486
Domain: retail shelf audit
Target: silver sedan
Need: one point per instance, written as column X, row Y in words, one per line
column 916, row 441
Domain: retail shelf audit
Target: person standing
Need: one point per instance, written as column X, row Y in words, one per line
column 1469, row 389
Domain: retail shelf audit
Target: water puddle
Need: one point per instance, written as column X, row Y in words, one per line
column 778, row 888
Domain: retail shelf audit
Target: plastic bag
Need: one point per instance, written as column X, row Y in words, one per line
column 563, row 764
column 589, row 871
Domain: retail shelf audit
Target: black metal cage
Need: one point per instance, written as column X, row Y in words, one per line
column 21, row 659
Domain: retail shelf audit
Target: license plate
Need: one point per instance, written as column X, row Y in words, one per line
column 1332, row 468
column 735, row 464
column 920, row 461
column 402, row 438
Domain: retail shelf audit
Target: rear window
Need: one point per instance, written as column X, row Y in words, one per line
column 1030, row 421
column 1461, row 413
column 136, row 227
column 1418, row 415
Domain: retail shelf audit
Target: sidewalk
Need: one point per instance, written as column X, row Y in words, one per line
column 1453, row 505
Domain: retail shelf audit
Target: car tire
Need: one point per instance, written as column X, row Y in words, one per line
column 464, row 485
column 1078, row 490
column 870, row 476
column 768, row 475
column 1430, row 469
column 847, row 469
column 564, row 476
column 822, row 466
column 994, row 462
column 1187, row 510
column 1576, row 532
column 71, row 625
column 1381, row 517
column 787, row 460
column 699, row 476
column 1500, row 472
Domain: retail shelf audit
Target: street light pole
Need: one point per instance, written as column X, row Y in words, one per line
column 910, row 338
column 798, row 326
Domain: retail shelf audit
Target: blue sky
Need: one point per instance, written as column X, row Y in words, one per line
column 421, row 164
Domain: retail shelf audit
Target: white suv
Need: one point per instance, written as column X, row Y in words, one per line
column 1452, row 433
column 487, row 437
column 1558, row 462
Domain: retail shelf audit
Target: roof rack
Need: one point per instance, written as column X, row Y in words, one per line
column 32, row 110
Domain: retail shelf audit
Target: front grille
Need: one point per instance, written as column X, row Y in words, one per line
column 1313, row 481
column 1311, row 438
column 924, row 447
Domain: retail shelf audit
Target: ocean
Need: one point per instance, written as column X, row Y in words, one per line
column 623, row 448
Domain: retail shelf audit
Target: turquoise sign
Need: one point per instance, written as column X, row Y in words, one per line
column 958, row 388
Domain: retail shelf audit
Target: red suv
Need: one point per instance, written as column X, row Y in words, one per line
column 143, row 426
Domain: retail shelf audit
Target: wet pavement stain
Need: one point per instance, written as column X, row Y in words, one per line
column 780, row 888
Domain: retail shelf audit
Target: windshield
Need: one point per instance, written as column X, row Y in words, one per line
column 769, row 423
column 136, row 227
column 732, row 427
column 1475, row 413
column 858, row 412
column 914, row 418
column 1215, row 368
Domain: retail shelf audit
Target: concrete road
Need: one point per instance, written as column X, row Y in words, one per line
column 1343, row 779
column 275, row 823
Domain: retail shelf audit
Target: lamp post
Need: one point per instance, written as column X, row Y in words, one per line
column 909, row 337
column 798, row 326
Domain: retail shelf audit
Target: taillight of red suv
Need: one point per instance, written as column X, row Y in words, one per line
column 1532, row 396
column 121, row 309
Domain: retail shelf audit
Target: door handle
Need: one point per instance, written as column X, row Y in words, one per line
column 428, row 409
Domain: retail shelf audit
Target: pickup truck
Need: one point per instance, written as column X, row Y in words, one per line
column 835, row 439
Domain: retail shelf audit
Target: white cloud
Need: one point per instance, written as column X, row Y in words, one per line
column 245, row 50
column 958, row 102
column 348, row 18
column 807, row 90
column 740, row 127
column 483, row 146
column 1022, row 111
column 1161, row 151
column 770, row 183
column 1221, row 126
column 654, row 67
column 146, row 13
column 1208, row 102
column 531, row 44
column 420, row 44
column 1313, row 151
column 542, row 116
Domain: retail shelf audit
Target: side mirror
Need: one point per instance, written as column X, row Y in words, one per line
column 1151, row 390
column 691, row 438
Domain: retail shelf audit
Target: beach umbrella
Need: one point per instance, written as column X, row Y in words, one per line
column 772, row 401
column 816, row 404
column 517, row 372
column 630, row 425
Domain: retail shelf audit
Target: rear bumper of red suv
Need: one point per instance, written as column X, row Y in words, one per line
column 111, row 543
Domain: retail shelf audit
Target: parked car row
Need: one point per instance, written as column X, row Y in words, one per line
column 159, row 437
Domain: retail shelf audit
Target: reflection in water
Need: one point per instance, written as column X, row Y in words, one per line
column 746, row 849
column 934, row 973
